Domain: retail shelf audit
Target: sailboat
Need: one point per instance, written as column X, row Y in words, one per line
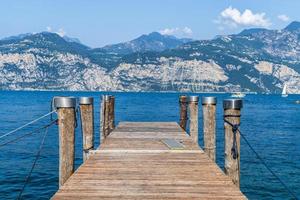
column 284, row 91
column 238, row 95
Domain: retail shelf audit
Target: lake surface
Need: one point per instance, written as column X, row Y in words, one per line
column 271, row 124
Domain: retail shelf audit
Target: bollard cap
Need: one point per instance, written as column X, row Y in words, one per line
column 86, row 100
column 64, row 102
column 209, row 100
column 183, row 98
column 233, row 104
column 106, row 97
column 193, row 98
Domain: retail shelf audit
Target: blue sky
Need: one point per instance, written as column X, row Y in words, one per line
column 100, row 22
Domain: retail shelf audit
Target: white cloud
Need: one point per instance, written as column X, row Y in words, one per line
column 61, row 32
column 187, row 31
column 168, row 31
column 181, row 32
column 232, row 17
column 283, row 17
column 49, row 29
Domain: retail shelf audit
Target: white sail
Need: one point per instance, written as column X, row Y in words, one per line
column 238, row 95
column 284, row 91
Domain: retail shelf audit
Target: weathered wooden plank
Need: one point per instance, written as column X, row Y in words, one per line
column 143, row 143
column 148, row 134
column 134, row 163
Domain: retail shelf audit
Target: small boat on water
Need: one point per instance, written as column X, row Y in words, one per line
column 297, row 102
column 238, row 95
column 284, row 91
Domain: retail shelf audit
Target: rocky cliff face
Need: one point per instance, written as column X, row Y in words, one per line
column 257, row 60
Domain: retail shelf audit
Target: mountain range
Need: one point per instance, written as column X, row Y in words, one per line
column 255, row 60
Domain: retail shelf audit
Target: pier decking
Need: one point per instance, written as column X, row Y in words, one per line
column 148, row 160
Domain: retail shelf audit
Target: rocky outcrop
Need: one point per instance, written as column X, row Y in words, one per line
column 257, row 60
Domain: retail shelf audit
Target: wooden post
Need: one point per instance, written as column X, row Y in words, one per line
column 111, row 113
column 232, row 112
column 209, row 126
column 193, row 108
column 101, row 118
column 87, row 124
column 66, row 125
column 183, row 111
column 105, row 116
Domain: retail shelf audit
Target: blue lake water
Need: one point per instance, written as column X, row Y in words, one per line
column 271, row 124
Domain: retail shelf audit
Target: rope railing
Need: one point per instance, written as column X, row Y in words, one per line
column 29, row 133
column 235, row 129
column 35, row 160
column 37, row 130
column 27, row 124
column 58, row 102
column 268, row 168
column 37, row 156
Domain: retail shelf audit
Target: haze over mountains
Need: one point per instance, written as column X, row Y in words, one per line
column 257, row 60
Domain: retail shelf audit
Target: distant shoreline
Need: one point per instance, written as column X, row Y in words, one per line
column 212, row 92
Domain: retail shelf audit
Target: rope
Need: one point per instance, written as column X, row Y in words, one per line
column 268, row 168
column 33, row 121
column 34, row 163
column 76, row 111
column 88, row 149
column 235, row 129
column 28, row 134
column 52, row 108
column 210, row 148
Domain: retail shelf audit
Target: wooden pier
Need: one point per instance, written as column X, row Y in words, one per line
column 148, row 160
